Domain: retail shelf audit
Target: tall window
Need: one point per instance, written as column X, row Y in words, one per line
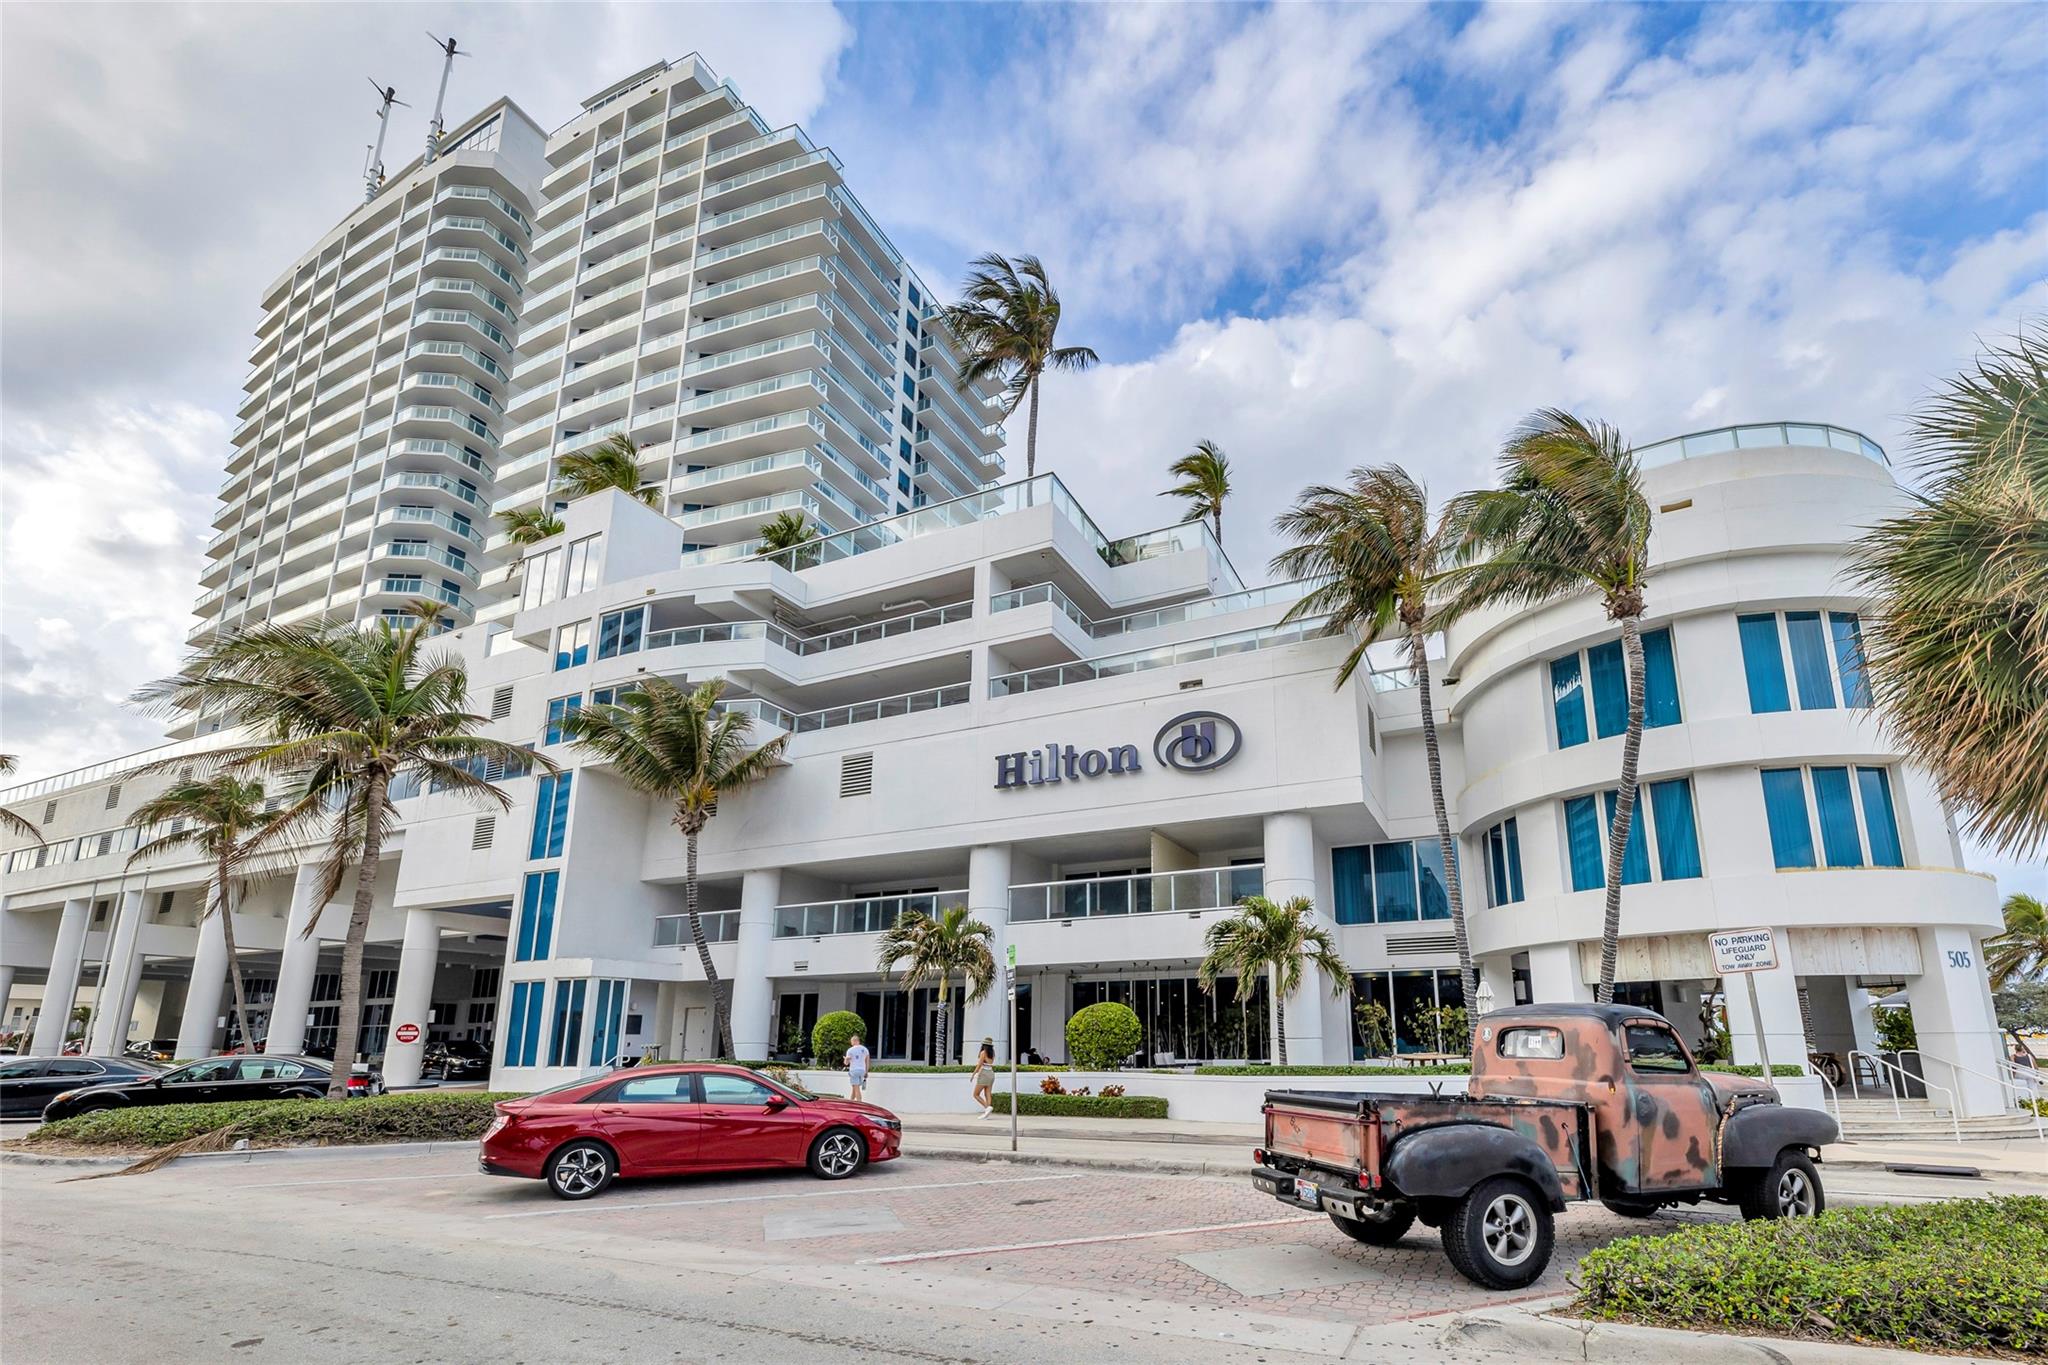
column 1842, row 815
column 585, row 565
column 619, row 632
column 604, row 1028
column 537, row 916
column 559, row 710
column 568, row 1025
column 1602, row 670
column 1826, row 651
column 541, row 578
column 1503, row 863
column 522, row 1029
column 550, row 815
column 572, row 645
column 1662, row 824
column 1391, row 883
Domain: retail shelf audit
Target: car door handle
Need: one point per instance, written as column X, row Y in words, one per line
column 612, row 1109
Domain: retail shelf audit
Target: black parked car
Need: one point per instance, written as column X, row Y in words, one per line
column 29, row 1083
column 214, row 1081
column 464, row 1059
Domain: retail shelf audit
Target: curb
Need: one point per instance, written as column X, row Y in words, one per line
column 1149, row 1165
column 249, row 1155
column 1533, row 1331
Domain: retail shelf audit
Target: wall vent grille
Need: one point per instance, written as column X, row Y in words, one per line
column 856, row 774
column 501, row 703
column 1417, row 945
column 485, row 830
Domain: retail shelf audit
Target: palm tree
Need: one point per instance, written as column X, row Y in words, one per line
column 1204, row 473
column 1006, row 323
column 1570, row 515
column 1956, row 646
column 784, row 531
column 1277, row 941
column 612, row 463
column 12, row 820
column 1375, row 556
column 682, row 748
column 349, row 711
column 221, row 817
column 933, row 948
column 526, row 526
column 2021, row 952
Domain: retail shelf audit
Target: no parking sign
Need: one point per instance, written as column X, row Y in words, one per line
column 407, row 1033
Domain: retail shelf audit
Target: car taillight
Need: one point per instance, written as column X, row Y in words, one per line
column 497, row 1126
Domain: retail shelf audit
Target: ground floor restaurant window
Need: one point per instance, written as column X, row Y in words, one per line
column 1182, row 1022
column 1408, row 998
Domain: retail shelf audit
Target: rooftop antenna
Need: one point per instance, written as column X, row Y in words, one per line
column 373, row 170
column 448, row 56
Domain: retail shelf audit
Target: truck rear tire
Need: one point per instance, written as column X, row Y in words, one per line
column 1377, row 1232
column 1500, row 1235
column 1789, row 1189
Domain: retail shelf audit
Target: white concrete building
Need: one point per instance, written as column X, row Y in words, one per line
column 987, row 700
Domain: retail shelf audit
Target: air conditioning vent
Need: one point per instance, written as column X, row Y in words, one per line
column 803, row 966
column 113, row 796
column 486, row 829
column 1419, row 945
column 501, row 703
column 856, row 774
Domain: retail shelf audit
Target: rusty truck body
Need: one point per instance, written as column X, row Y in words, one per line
column 1565, row 1103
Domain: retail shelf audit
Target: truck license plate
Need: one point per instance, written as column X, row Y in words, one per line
column 1305, row 1191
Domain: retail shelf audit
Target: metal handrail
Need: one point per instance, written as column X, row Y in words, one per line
column 2032, row 1091
column 1955, row 1122
column 2008, row 1086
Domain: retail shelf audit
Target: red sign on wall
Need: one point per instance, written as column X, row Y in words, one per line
column 407, row 1033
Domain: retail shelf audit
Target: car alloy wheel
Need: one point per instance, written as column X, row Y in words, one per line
column 1795, row 1194
column 1509, row 1229
column 839, row 1155
column 580, row 1171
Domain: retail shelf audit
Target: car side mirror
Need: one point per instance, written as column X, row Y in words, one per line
column 776, row 1104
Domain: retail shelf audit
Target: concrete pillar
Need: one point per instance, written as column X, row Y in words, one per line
column 752, row 1010
column 6, row 990
column 1290, row 844
column 988, row 900
column 298, row 966
column 413, row 997
column 1498, row 974
column 1555, row 977
column 200, row 1026
column 119, row 975
column 1777, row 995
column 1960, row 1044
column 62, row 985
column 665, row 1021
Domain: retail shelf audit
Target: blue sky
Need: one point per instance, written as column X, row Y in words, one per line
column 1322, row 236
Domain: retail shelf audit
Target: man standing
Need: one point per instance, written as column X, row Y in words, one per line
column 856, row 1066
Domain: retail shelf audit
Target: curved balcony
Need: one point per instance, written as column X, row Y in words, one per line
column 1761, row 436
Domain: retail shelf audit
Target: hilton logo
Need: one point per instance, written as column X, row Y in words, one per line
column 1197, row 742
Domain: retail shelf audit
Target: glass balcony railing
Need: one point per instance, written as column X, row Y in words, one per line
column 859, row 915
column 1759, row 436
column 1140, row 661
column 831, row 718
column 673, row 931
column 1209, row 888
column 1153, row 617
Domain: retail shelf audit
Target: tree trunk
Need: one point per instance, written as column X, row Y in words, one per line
column 1418, row 655
column 1279, row 1012
column 349, row 1025
column 941, row 1055
column 1624, row 806
column 1031, row 434
column 721, row 991
column 1219, row 525
column 227, row 936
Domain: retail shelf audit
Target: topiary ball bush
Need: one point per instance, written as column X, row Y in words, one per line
column 832, row 1034
column 1103, row 1036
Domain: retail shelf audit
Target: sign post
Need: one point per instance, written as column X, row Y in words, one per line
column 1010, row 981
column 1744, row 953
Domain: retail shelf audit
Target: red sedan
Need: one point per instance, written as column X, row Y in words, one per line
column 676, row 1120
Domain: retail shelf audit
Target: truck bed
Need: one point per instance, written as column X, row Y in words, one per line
column 1347, row 1133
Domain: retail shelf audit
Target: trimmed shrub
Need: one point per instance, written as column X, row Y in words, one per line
column 1434, row 1069
column 426, row 1116
column 1731, row 1069
column 831, row 1036
column 1102, row 1037
column 1968, row 1275
column 1084, row 1106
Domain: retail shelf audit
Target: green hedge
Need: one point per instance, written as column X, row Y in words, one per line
column 1435, row 1069
column 427, row 1116
column 1961, row 1275
column 1082, row 1106
column 1731, row 1069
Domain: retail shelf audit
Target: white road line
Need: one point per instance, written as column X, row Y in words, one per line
column 865, row 1191
column 353, row 1180
column 1085, row 1241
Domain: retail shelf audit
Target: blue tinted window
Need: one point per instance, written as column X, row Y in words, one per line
column 1837, row 810
column 550, row 815
column 1785, row 811
column 568, row 1023
column 572, row 645
column 559, row 710
column 619, row 632
column 537, row 916
column 1660, row 680
column 1568, row 700
column 1678, row 840
column 1635, row 856
column 604, row 1027
column 1429, row 869
column 1609, row 679
column 1810, row 666
column 1351, row 877
column 1764, row 663
column 1847, row 630
column 1880, row 821
column 522, row 1031
column 1584, row 840
column 1393, row 882
column 1503, row 864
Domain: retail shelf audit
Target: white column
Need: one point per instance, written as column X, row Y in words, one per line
column 751, row 1007
column 297, row 968
column 6, row 990
column 412, row 998
column 1777, row 996
column 62, row 986
column 988, row 900
column 1555, row 977
column 1960, row 1046
column 1290, row 843
column 118, row 976
column 665, row 1019
column 200, row 1024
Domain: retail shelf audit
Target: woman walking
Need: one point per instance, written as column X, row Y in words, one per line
column 985, row 1080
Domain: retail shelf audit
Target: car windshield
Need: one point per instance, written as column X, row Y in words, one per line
column 785, row 1080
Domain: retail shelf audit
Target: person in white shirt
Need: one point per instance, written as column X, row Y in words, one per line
column 856, row 1066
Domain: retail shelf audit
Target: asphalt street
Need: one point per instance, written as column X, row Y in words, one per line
column 352, row 1256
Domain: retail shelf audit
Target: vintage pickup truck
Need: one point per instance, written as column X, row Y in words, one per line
column 1566, row 1102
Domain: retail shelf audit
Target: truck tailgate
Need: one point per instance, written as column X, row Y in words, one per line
column 1349, row 1132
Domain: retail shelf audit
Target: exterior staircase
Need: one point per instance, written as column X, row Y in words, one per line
column 1871, row 1119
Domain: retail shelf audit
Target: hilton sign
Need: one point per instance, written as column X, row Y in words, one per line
column 1193, row 743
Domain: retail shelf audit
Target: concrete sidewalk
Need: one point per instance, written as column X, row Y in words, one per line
column 1226, row 1148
